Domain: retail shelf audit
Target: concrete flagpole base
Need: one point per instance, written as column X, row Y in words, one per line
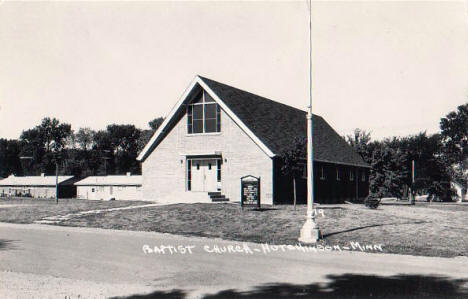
column 310, row 232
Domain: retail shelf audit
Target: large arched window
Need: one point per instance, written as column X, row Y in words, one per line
column 203, row 115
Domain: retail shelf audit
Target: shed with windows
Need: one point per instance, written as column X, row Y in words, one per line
column 110, row 187
column 41, row 186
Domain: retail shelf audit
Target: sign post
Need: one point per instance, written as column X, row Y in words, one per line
column 250, row 191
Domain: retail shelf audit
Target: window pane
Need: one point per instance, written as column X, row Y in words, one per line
column 208, row 98
column 210, row 125
column 197, row 112
column 197, row 126
column 189, row 119
column 210, row 111
column 198, row 98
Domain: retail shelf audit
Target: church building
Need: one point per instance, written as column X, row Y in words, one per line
column 216, row 134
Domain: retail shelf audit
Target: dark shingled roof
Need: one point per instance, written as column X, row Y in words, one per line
column 277, row 125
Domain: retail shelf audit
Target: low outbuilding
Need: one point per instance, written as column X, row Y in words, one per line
column 41, row 186
column 110, row 187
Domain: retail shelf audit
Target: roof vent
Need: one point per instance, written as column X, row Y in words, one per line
column 129, row 173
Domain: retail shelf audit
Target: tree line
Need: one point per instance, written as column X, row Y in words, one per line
column 439, row 158
column 82, row 153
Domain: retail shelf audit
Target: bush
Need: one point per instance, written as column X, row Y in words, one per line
column 371, row 202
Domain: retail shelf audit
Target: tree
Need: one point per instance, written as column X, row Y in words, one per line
column 360, row 142
column 454, row 132
column 145, row 135
column 294, row 161
column 85, row 138
column 116, row 149
column 44, row 142
column 32, row 146
column 10, row 152
column 155, row 123
column 54, row 134
column 388, row 174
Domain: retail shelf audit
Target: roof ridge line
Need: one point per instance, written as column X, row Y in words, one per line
column 257, row 95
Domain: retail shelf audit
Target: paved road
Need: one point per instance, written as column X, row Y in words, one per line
column 40, row 261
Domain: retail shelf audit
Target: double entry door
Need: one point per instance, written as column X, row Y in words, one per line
column 204, row 175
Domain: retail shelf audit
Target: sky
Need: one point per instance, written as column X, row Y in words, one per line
column 391, row 68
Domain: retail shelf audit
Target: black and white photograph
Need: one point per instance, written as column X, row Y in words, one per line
column 233, row 149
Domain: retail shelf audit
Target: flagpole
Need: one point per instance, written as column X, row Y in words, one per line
column 310, row 232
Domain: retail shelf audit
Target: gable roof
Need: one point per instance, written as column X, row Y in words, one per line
column 111, row 180
column 271, row 125
column 33, row 180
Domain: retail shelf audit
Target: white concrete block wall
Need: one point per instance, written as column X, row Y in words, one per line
column 103, row 192
column 164, row 170
column 34, row 191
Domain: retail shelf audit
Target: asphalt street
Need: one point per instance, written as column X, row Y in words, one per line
column 40, row 261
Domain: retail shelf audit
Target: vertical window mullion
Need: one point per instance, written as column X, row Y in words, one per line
column 203, row 111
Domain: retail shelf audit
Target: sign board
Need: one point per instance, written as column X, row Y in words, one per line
column 250, row 191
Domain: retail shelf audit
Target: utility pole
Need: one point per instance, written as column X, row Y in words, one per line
column 25, row 158
column 56, row 178
column 310, row 232
column 105, row 158
column 413, row 201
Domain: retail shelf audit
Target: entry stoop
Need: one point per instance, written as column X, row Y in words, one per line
column 217, row 197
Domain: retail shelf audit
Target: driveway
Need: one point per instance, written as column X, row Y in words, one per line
column 41, row 261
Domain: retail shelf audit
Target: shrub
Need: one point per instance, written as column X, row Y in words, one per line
column 371, row 202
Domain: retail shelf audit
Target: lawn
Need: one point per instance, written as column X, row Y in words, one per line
column 415, row 230
column 28, row 210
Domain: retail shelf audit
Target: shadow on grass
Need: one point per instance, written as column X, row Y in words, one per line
column 7, row 244
column 262, row 209
column 369, row 226
column 344, row 286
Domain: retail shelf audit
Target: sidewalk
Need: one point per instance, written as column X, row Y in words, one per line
column 59, row 218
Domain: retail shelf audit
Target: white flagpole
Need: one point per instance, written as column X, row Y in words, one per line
column 310, row 232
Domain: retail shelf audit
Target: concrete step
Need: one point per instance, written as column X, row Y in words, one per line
column 219, row 199
column 210, row 194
